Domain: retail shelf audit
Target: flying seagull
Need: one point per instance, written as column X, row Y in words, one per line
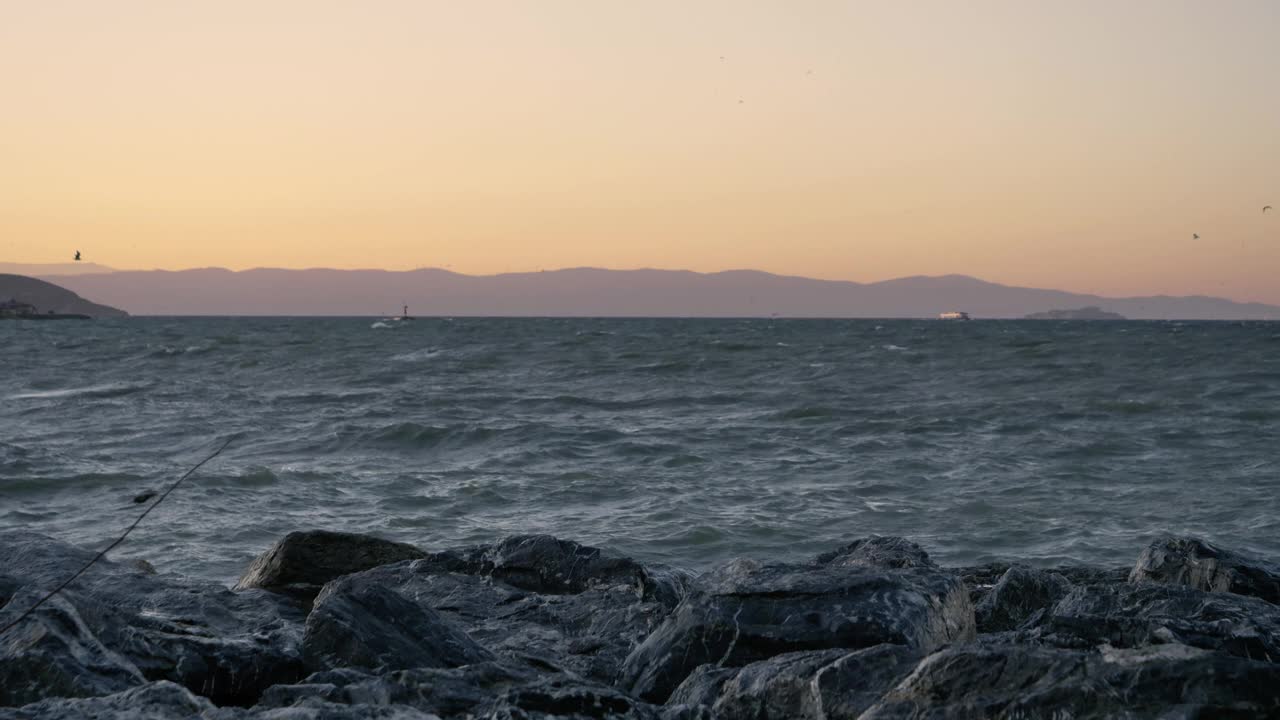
column 1266, row 208
column 1195, row 236
column 77, row 256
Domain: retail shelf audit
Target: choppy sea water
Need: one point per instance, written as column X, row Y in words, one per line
column 682, row 441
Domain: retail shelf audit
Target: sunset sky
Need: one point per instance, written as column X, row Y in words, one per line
column 1074, row 144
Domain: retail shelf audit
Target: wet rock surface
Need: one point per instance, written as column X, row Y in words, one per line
column 358, row 623
column 1133, row 616
column 539, row 627
column 1021, row 593
column 54, row 654
column 983, row 680
column 224, row 645
column 879, row 552
column 826, row 684
column 749, row 611
column 300, row 563
column 1203, row 566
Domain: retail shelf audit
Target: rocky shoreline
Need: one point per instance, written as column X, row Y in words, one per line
column 331, row 626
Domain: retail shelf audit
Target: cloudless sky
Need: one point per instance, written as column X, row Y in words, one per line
column 1074, row 144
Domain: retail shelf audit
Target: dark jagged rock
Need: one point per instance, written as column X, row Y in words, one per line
column 534, row 627
column 489, row 690
column 548, row 565
column 687, row 712
column 166, row 701
column 54, row 654
column 300, row 563
column 358, row 623
column 589, row 633
column 1088, row 575
column 564, row 697
column 1131, row 616
column 154, row 701
column 223, row 645
column 1203, row 566
column 851, row 684
column 1020, row 593
column 703, row 685
column 545, row 602
column 820, row 685
column 747, row 611
column 1016, row 681
column 982, row 579
column 878, row 552
column 448, row 692
column 774, row 688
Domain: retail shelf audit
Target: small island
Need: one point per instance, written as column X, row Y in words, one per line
column 1086, row 313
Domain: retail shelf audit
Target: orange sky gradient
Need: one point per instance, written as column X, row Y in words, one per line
column 1074, row 145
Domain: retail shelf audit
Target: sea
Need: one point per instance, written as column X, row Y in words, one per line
column 682, row 441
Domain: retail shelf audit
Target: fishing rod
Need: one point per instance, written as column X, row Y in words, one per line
column 118, row 540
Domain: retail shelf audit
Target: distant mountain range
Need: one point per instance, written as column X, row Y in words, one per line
column 595, row 292
column 47, row 297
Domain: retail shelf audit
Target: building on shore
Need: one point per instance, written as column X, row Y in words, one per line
column 14, row 308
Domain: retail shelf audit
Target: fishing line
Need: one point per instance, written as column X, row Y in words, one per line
column 118, row 540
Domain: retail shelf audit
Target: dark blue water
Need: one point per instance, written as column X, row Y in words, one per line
column 685, row 441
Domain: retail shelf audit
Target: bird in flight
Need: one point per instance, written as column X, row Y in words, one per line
column 1195, row 236
column 77, row 256
column 1266, row 208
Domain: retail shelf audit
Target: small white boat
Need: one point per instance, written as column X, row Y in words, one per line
column 954, row 315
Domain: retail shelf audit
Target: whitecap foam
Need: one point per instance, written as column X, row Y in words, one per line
column 93, row 391
column 416, row 355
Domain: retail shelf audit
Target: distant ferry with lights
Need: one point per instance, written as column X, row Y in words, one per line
column 954, row 315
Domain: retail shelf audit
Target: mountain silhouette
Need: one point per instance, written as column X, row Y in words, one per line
column 607, row 293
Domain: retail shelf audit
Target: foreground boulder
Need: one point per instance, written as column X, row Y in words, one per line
column 1020, row 594
column 982, row 579
column 819, row 685
column 747, row 611
column 54, row 654
column 358, row 623
column 166, row 701
column 115, row 621
column 589, row 633
column 982, row 680
column 1134, row 616
column 300, row 563
column 1200, row 565
column 444, row 691
column 488, row 690
column 549, row 565
column 153, row 701
column 536, row 627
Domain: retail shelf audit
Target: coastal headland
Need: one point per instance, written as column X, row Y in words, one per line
column 29, row 298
